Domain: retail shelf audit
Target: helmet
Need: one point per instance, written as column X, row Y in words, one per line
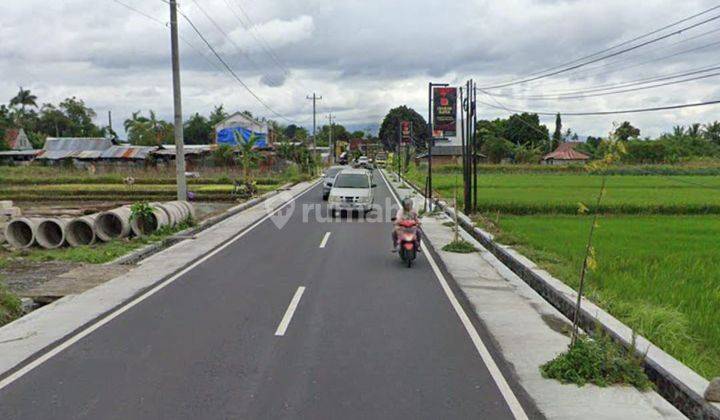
column 407, row 204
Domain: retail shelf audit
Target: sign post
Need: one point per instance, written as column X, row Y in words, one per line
column 431, row 132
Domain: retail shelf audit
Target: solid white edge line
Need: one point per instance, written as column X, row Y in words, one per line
column 282, row 327
column 510, row 398
column 324, row 240
column 128, row 305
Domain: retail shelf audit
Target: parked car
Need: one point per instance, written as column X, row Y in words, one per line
column 329, row 178
column 352, row 191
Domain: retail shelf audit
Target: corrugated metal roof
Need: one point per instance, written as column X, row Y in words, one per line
column 127, row 152
column 190, row 149
column 19, row 153
column 566, row 151
column 77, row 143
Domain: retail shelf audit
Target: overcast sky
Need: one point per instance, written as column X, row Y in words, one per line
column 362, row 56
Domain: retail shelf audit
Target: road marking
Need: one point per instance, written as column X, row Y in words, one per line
column 324, row 240
column 289, row 312
column 500, row 381
column 119, row 311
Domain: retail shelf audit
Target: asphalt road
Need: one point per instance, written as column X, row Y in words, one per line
column 368, row 338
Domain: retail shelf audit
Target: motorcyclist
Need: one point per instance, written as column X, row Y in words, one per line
column 406, row 212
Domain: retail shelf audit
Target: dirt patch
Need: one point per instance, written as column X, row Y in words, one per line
column 20, row 275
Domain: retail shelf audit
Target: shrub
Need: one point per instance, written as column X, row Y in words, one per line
column 601, row 362
column 10, row 306
column 460, row 247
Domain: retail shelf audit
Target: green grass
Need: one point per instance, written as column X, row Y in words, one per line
column 460, row 246
column 600, row 361
column 658, row 274
column 520, row 193
column 10, row 306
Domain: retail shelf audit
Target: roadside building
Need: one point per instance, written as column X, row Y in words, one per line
column 78, row 151
column 566, row 154
column 196, row 155
column 245, row 126
column 21, row 151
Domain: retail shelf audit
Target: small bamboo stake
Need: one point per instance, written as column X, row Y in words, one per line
column 583, row 272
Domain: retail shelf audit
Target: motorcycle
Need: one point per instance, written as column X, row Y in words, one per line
column 407, row 239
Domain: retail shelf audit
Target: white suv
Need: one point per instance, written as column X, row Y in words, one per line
column 352, row 192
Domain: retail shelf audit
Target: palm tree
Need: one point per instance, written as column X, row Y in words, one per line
column 24, row 98
column 678, row 131
column 711, row 132
column 694, row 130
column 248, row 154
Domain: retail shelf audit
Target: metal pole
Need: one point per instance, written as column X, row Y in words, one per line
column 330, row 142
column 177, row 104
column 428, row 193
column 475, row 146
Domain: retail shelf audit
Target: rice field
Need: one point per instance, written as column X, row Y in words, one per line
column 657, row 245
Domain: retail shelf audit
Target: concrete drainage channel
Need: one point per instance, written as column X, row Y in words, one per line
column 677, row 383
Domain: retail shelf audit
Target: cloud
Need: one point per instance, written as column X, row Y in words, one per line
column 363, row 57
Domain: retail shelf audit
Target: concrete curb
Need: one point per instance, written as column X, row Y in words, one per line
column 677, row 383
column 146, row 251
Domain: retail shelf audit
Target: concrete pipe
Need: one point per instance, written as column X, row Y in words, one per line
column 20, row 232
column 176, row 212
column 113, row 224
column 81, row 231
column 189, row 206
column 50, row 233
column 146, row 225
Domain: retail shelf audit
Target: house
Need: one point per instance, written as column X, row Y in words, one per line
column 73, row 149
column 245, row 126
column 21, row 151
column 566, row 154
column 447, row 154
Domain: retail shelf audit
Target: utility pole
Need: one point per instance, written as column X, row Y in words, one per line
column 314, row 98
column 332, row 147
column 177, row 104
column 110, row 119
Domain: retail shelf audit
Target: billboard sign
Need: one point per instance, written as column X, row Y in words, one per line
column 445, row 111
column 405, row 131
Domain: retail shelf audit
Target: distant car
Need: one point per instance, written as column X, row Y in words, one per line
column 362, row 162
column 329, row 178
column 352, row 191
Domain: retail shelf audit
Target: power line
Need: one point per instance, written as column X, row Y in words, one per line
column 601, row 58
column 656, row 31
column 229, row 69
column 626, row 111
column 613, row 90
column 613, row 65
column 237, row 47
column 609, row 86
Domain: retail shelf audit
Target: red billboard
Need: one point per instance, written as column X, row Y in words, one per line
column 445, row 111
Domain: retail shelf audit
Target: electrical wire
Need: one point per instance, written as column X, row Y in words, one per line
column 626, row 111
column 604, row 57
column 613, row 91
column 622, row 44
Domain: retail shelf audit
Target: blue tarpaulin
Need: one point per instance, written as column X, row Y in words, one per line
column 227, row 136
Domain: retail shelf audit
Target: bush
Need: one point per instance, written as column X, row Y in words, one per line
column 460, row 247
column 601, row 362
column 10, row 306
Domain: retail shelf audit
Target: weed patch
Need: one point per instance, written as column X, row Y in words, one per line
column 460, row 246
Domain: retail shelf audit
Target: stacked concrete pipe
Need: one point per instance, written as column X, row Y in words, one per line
column 177, row 211
column 113, row 224
column 81, row 231
column 157, row 219
column 21, row 232
column 51, row 233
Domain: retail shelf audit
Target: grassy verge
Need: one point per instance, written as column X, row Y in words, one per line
column 10, row 306
column 657, row 274
column 460, row 246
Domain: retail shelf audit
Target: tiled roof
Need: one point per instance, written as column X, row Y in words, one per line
column 566, row 151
